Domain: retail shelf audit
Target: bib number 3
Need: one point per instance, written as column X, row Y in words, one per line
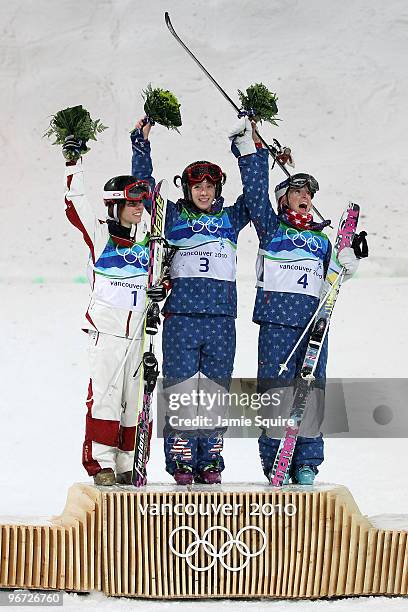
column 204, row 264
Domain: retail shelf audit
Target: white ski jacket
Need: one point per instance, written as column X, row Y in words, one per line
column 117, row 267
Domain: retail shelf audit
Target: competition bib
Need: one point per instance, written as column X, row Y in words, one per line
column 206, row 247
column 211, row 260
column 303, row 276
column 121, row 276
column 126, row 294
column 293, row 262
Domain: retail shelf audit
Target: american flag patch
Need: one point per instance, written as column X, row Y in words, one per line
column 181, row 449
column 217, row 446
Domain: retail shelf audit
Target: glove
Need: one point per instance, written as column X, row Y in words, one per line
column 349, row 261
column 360, row 246
column 73, row 148
column 241, row 139
column 157, row 294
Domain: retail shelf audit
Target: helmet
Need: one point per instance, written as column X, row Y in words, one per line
column 121, row 189
column 297, row 180
column 197, row 172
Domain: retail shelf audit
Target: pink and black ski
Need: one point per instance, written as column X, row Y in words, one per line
column 149, row 361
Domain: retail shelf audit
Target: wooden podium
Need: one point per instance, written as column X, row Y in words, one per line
column 230, row 540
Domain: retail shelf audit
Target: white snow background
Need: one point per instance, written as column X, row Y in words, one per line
column 340, row 73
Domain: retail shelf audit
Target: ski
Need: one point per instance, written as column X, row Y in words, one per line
column 332, row 276
column 323, row 298
column 150, row 370
column 304, row 384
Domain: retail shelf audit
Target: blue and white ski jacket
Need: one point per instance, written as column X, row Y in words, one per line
column 203, row 270
column 292, row 263
column 117, row 266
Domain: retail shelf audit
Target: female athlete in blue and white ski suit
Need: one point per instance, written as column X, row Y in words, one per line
column 291, row 268
column 200, row 312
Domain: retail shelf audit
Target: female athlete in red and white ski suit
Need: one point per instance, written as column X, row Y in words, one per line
column 117, row 272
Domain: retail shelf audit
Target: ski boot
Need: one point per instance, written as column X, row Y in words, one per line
column 105, row 477
column 125, row 478
column 303, row 475
column 210, row 474
column 183, row 474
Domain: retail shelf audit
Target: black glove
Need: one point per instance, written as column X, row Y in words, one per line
column 360, row 246
column 73, row 148
column 157, row 294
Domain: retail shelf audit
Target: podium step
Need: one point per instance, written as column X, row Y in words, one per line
column 231, row 540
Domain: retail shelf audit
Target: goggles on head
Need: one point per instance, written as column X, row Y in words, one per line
column 198, row 172
column 134, row 193
column 298, row 181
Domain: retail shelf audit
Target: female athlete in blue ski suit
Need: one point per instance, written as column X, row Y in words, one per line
column 291, row 267
column 200, row 312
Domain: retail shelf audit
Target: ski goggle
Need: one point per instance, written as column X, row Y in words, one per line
column 297, row 181
column 134, row 193
column 198, row 172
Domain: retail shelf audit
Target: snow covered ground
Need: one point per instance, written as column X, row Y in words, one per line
column 340, row 75
column 362, row 604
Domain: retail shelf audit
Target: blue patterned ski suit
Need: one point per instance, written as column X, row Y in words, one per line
column 291, row 268
column 200, row 312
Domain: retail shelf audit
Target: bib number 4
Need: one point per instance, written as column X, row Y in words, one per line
column 303, row 281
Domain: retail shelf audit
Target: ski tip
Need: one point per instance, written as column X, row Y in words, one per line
column 167, row 18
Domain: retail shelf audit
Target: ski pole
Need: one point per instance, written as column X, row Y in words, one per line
column 272, row 151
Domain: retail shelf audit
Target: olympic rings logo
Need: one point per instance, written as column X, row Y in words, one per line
column 211, row 224
column 211, row 550
column 302, row 239
column 131, row 254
